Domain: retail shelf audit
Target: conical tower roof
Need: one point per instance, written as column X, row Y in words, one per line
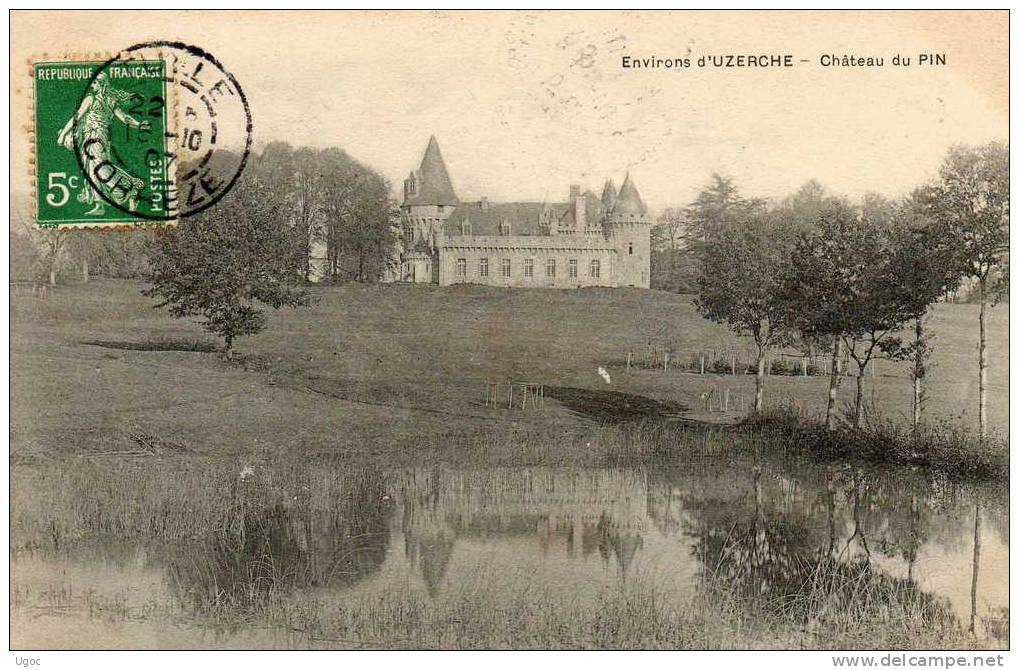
column 435, row 186
column 628, row 202
column 608, row 194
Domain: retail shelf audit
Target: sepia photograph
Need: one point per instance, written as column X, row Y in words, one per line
column 510, row 330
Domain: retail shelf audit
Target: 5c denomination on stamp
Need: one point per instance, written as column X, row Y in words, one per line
column 158, row 132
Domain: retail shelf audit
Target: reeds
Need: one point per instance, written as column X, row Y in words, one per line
column 941, row 447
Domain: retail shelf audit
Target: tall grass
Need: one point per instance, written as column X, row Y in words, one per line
column 940, row 447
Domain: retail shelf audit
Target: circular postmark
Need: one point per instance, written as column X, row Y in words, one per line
column 163, row 131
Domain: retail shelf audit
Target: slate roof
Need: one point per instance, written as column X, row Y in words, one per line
column 608, row 194
column 434, row 185
column 593, row 209
column 628, row 202
column 589, row 242
column 524, row 218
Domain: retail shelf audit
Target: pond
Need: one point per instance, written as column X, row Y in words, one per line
column 790, row 547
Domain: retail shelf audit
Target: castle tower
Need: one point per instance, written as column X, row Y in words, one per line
column 428, row 200
column 628, row 229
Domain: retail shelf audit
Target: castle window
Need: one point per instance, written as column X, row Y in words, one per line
column 465, row 228
column 631, row 248
column 528, row 267
column 550, row 267
column 412, row 234
column 506, row 267
column 596, row 268
column 504, row 228
column 573, row 268
column 483, row 267
column 461, row 267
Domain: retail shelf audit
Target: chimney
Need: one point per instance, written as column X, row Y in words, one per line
column 410, row 187
column 579, row 208
column 484, row 204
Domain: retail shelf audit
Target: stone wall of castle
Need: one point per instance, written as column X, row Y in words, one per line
column 632, row 241
column 526, row 262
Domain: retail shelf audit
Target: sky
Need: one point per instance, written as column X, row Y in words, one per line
column 523, row 104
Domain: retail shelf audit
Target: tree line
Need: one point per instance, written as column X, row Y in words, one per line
column 825, row 274
column 294, row 215
column 255, row 248
column 324, row 199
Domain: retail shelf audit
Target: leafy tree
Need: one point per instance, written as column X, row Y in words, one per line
column 847, row 286
column 296, row 176
column 969, row 204
column 333, row 201
column 222, row 263
column 670, row 269
column 877, row 304
column 87, row 250
column 717, row 205
column 818, row 288
column 745, row 265
column 924, row 271
column 53, row 243
column 801, row 210
column 360, row 221
column 797, row 214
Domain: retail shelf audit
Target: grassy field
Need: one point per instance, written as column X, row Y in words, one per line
column 400, row 371
column 376, row 376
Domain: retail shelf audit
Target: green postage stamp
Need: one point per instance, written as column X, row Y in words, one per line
column 159, row 132
column 101, row 143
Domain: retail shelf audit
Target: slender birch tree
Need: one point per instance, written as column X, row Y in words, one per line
column 969, row 204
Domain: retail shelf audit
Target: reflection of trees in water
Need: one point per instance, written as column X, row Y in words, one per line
column 266, row 551
column 802, row 546
column 748, row 552
column 432, row 552
column 617, row 541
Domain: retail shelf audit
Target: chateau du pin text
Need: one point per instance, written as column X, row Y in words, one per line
column 777, row 60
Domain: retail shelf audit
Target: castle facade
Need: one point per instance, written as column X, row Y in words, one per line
column 585, row 241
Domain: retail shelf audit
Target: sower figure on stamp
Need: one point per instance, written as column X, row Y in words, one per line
column 89, row 130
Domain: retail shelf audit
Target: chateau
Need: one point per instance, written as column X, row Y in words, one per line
column 585, row 241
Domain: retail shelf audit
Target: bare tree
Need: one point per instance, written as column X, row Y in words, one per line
column 49, row 243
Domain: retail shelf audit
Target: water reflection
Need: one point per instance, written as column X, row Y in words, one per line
column 777, row 548
column 268, row 551
column 801, row 544
column 596, row 511
column 793, row 543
